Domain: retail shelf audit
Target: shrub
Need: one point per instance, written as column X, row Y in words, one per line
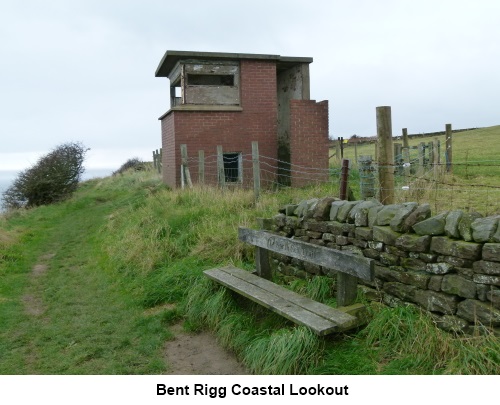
column 53, row 178
column 134, row 164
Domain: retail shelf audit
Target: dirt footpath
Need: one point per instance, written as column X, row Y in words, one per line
column 194, row 354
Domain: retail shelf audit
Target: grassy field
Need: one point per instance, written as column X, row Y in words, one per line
column 92, row 286
column 474, row 184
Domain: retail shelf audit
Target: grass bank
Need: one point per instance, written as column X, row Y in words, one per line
column 92, row 286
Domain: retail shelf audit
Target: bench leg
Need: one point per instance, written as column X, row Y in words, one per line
column 262, row 263
column 347, row 289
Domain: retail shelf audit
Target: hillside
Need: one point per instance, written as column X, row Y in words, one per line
column 99, row 283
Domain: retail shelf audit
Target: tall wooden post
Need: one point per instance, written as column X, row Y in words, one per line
column 256, row 169
column 448, row 153
column 406, row 153
column 185, row 165
column 220, row 167
column 421, row 158
column 344, row 176
column 385, row 155
column 201, row 167
column 436, row 158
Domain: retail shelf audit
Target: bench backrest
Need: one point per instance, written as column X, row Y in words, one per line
column 344, row 262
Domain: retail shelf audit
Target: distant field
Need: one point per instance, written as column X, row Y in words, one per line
column 474, row 184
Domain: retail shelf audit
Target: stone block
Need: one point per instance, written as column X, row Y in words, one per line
column 376, row 245
column 449, row 247
column 290, row 209
column 421, row 213
column 318, row 242
column 474, row 310
column 371, row 253
column 452, row 220
column 435, row 283
column 465, row 272
column 359, row 213
column 303, row 207
column 417, row 279
column 314, row 235
column 454, row 284
column 483, row 290
column 483, row 229
column 389, row 260
column 402, row 291
column 342, row 240
column 385, row 234
column 397, row 222
column 372, row 215
column 484, row 279
column 491, row 252
column 436, row 301
column 363, row 233
column 329, row 237
column 316, row 226
column 456, row 261
column 494, row 297
column 464, row 226
column 413, row 243
column 291, row 222
column 431, row 226
column 323, row 208
column 428, row 257
column 451, row 323
column 413, row 264
column 395, row 251
column 343, row 212
column 387, row 213
column 279, row 220
column 438, row 268
column 334, row 209
column 486, row 267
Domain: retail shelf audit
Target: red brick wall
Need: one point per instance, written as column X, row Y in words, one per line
column 168, row 149
column 308, row 142
column 233, row 130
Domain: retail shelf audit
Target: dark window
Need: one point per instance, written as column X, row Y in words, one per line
column 232, row 167
column 210, row 80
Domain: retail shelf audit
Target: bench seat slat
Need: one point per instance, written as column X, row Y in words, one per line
column 320, row 318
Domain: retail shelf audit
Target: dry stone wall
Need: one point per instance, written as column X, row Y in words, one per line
column 447, row 264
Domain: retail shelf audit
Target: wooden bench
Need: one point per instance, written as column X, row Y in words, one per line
column 321, row 319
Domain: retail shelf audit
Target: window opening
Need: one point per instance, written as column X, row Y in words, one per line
column 210, row 80
column 232, row 167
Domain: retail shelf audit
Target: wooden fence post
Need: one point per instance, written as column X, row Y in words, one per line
column 220, row 167
column 344, row 176
column 421, row 158
column 385, row 155
column 398, row 158
column 185, row 166
column 160, row 161
column 201, row 167
column 436, row 158
column 256, row 169
column 448, row 152
column 406, row 154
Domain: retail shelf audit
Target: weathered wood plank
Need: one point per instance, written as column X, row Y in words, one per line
column 332, row 314
column 292, row 306
column 344, row 262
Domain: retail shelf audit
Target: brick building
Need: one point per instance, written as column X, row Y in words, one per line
column 232, row 99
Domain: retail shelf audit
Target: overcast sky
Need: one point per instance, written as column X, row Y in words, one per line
column 83, row 70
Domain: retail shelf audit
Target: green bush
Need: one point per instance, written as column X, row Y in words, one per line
column 133, row 164
column 53, row 178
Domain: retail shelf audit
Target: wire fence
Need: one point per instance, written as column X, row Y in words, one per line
column 422, row 173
